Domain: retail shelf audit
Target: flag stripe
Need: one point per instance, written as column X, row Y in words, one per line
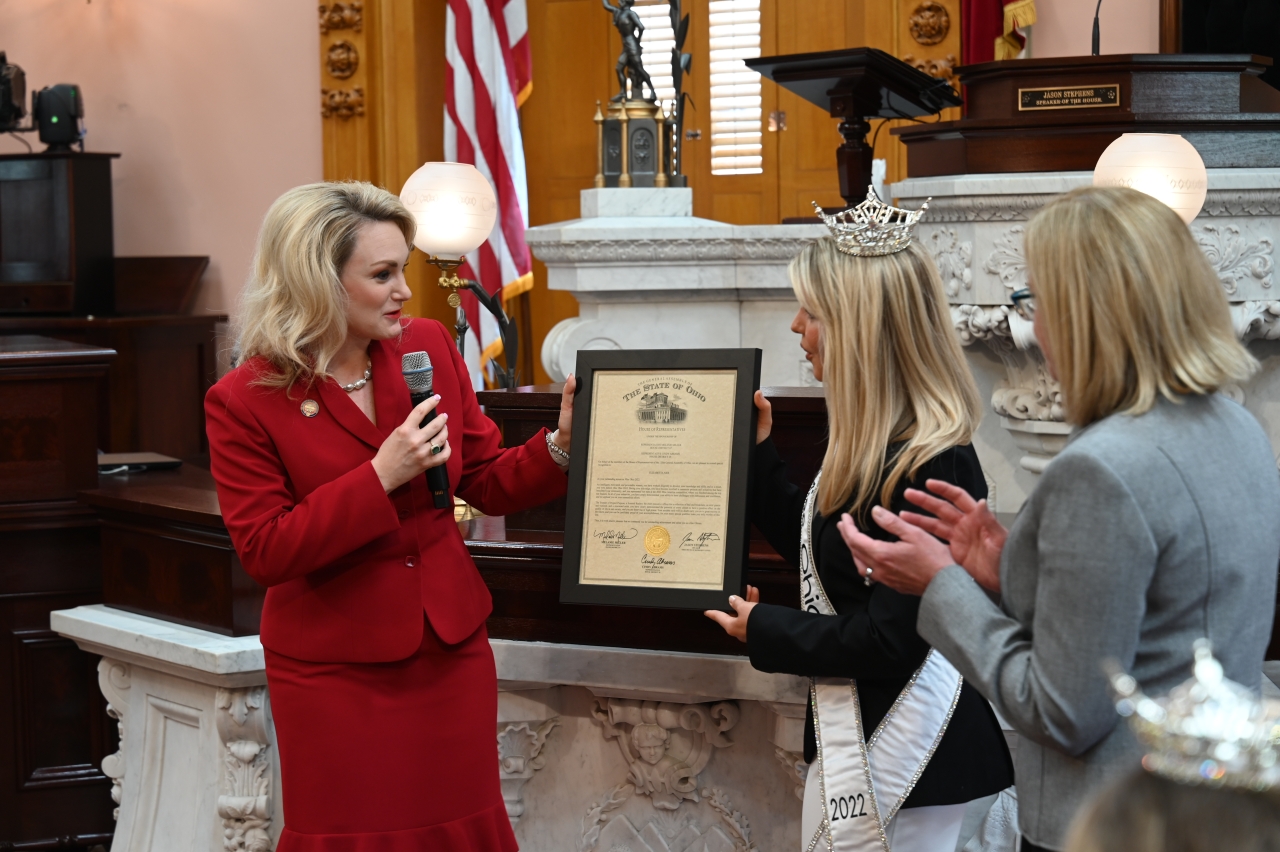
column 487, row 76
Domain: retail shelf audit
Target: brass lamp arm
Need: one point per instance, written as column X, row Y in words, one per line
column 450, row 281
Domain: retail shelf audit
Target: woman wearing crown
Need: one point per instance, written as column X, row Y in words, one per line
column 1158, row 524
column 897, row 742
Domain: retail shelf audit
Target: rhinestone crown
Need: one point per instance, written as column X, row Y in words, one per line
column 873, row 228
column 1209, row 730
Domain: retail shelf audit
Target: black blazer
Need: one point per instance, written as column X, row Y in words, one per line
column 873, row 637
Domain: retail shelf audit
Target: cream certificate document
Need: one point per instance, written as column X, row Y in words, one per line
column 657, row 494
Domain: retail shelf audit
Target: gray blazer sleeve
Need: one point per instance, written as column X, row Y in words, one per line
column 1042, row 669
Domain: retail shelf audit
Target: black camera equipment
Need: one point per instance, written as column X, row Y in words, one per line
column 13, row 94
column 57, row 111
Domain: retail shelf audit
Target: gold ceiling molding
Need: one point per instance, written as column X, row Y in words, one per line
column 930, row 22
column 342, row 16
column 342, row 59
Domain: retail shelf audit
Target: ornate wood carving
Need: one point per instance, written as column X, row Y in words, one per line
column 942, row 67
column 342, row 59
column 930, row 22
column 342, row 16
column 343, row 103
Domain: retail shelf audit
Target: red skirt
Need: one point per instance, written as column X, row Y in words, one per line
column 391, row 757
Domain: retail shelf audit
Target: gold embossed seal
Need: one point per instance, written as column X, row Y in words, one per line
column 310, row 408
column 657, row 540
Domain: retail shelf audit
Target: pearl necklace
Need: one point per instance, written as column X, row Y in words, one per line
column 360, row 382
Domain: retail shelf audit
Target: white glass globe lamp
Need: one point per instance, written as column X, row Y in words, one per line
column 1163, row 165
column 455, row 208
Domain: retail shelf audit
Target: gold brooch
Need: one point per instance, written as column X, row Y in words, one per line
column 310, row 408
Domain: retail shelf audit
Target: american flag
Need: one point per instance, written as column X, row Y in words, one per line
column 487, row 77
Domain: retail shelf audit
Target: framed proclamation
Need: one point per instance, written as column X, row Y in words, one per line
column 658, row 479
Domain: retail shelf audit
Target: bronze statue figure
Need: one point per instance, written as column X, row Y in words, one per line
column 629, row 62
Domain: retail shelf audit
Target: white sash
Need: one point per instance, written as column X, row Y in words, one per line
column 860, row 785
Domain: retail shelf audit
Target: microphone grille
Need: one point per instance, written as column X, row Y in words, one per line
column 416, row 367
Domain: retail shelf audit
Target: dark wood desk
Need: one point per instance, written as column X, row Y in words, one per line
column 1216, row 101
column 166, row 552
column 152, row 398
column 54, row 730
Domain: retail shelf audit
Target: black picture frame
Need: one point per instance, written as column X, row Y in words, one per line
column 746, row 362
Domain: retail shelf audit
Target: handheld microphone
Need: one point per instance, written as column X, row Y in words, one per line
column 416, row 367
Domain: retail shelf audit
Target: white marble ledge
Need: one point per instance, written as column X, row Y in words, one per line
column 616, row 672
column 647, row 675
column 230, row 661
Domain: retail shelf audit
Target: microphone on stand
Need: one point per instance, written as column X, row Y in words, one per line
column 1096, row 10
column 416, row 367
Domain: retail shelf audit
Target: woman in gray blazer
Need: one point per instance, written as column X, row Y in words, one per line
column 1158, row 524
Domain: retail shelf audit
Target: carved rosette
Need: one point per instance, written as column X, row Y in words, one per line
column 519, row 757
column 114, row 680
column 929, row 23
column 666, row 747
column 244, row 794
column 342, row 59
column 343, row 103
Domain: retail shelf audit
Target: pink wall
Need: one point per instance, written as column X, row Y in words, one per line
column 214, row 107
column 1065, row 27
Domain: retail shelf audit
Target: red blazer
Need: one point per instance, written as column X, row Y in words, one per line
column 349, row 569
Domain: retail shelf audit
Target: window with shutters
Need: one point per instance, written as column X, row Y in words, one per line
column 736, row 114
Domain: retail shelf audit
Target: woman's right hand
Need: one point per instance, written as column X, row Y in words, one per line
column 976, row 537
column 764, row 417
column 407, row 451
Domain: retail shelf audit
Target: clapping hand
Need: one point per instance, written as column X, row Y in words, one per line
column 909, row 564
column 976, row 537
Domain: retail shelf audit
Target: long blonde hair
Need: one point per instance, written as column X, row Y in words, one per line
column 892, row 367
column 293, row 312
column 1132, row 308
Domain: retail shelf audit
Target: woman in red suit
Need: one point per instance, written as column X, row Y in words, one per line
column 382, row 683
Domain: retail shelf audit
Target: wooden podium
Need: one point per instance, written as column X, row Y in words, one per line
column 1046, row 115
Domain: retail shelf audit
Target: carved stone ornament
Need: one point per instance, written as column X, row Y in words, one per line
column 1256, row 320
column 342, row 16
column 929, row 22
column 1235, row 258
column 666, row 747
column 519, row 756
column 646, row 251
column 342, row 59
column 244, row 794
column 114, row 680
column 795, row 767
column 942, row 67
column 343, row 103
column 1007, row 260
column 953, row 258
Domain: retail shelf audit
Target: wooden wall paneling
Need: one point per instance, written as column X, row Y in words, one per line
column 54, row 731
column 574, row 48
column 384, row 117
column 738, row 199
column 1170, row 26
column 806, row 159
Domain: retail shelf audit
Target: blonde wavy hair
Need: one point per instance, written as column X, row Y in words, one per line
column 293, row 312
column 892, row 367
column 1131, row 306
